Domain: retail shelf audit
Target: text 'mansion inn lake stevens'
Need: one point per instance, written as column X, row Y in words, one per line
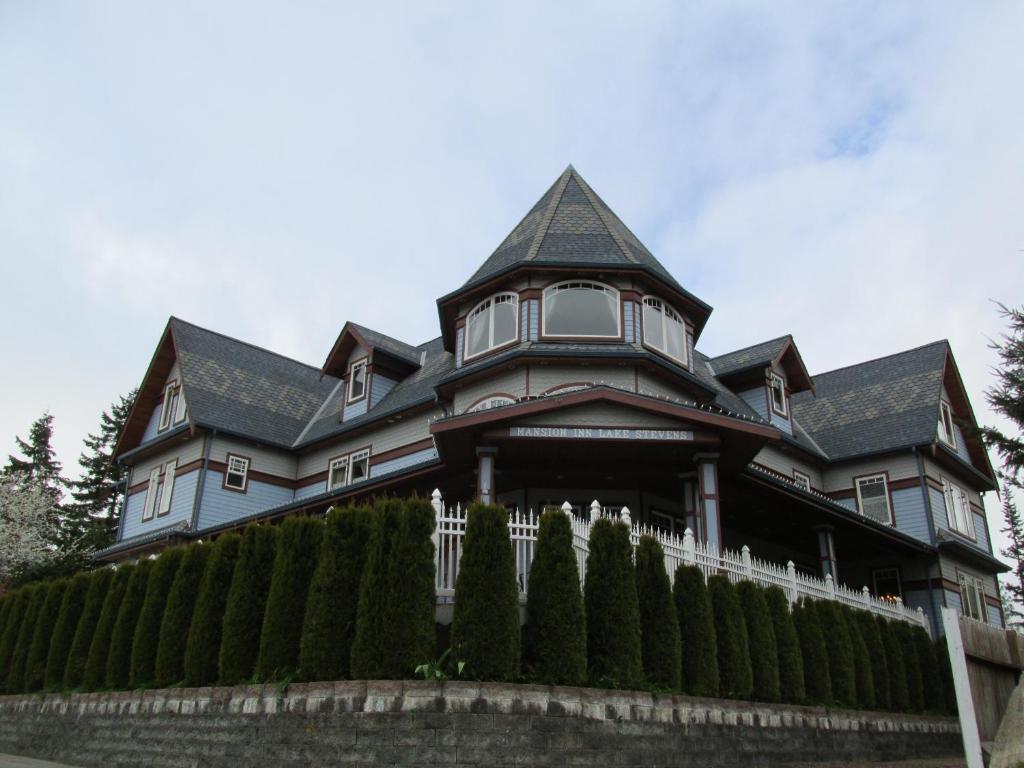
column 568, row 369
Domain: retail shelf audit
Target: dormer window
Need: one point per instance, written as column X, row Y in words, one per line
column 946, row 432
column 493, row 323
column 777, row 393
column 170, row 405
column 581, row 309
column 357, row 381
column 664, row 329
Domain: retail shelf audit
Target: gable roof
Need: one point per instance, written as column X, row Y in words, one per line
column 352, row 334
column 781, row 351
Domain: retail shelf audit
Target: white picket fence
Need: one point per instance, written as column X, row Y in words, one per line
column 679, row 550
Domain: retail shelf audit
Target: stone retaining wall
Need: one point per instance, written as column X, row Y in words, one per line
column 453, row 723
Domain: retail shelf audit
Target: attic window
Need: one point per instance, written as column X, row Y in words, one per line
column 493, row 323
column 357, row 381
column 582, row 310
column 946, row 432
column 664, row 329
column 777, row 392
column 169, row 405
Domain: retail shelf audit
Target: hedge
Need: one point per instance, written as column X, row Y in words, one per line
column 119, row 658
column 95, row 674
column 841, row 667
column 177, row 619
column 555, row 636
column 791, row 665
column 16, row 673
column 612, row 608
column 71, row 608
column 862, row 668
column 660, row 644
column 869, row 632
column 912, row 667
column 147, row 631
column 764, row 650
column 329, row 625
column 18, row 604
column 39, row 649
column 297, row 547
column 375, row 615
column 485, row 622
column 898, row 695
column 814, row 653
column 78, row 653
column 204, row 634
column 413, row 637
column 931, row 681
column 699, row 646
column 735, row 675
column 246, row 604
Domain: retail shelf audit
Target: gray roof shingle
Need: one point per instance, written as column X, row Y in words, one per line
column 392, row 346
column 749, row 357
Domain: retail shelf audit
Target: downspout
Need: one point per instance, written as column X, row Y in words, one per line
column 207, row 445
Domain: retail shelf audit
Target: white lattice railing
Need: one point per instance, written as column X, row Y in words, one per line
column 679, row 550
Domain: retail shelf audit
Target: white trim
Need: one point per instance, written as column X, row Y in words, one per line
column 168, row 488
column 773, row 379
column 338, row 464
column 946, row 435
column 165, row 408
column 588, row 285
column 353, row 458
column 952, row 493
column 149, row 505
column 488, row 305
column 360, row 363
column 873, row 480
column 972, row 586
column 181, row 411
column 667, row 311
column 236, row 465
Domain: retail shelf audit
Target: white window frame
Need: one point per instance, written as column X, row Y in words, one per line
column 773, row 379
column 972, row 586
column 149, row 505
column 167, row 488
column 488, row 305
column 801, row 479
column 353, row 458
column 493, row 401
column 590, row 285
column 337, row 473
column 166, row 407
column 665, row 308
column 181, row 411
column 947, row 430
column 231, row 467
column 885, row 487
column 360, row 363
column 953, row 493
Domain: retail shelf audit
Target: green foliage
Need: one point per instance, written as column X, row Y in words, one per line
column 872, row 637
column 101, row 642
column 16, row 604
column 142, row 669
column 247, row 602
column 555, row 637
column 64, row 630
column 39, row 649
column 863, row 672
column 660, row 642
column 699, row 646
column 330, row 621
column 177, row 619
column 764, row 650
column 119, row 657
column 612, row 608
column 814, row 653
column 78, row 653
column 735, row 675
column 911, row 665
column 791, row 665
column 898, row 696
column 485, row 625
column 375, row 614
column 933, row 695
column 297, row 547
column 36, row 594
column 441, row 669
column 841, row 668
column 5, row 608
column 203, row 645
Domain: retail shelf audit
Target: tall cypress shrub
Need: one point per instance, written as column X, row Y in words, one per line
column 177, row 619
column 485, row 624
column 413, row 635
column 35, row 664
column 840, row 652
column 699, row 646
column 863, row 673
column 19, row 656
column 899, row 700
column 555, row 637
column 70, row 613
column 78, row 653
column 298, row 544
column 911, row 665
column 329, row 625
column 791, row 666
column 119, row 657
column 764, row 650
column 247, row 602
column 17, row 606
column 933, row 696
column 735, row 675
column 612, row 608
column 142, row 670
column 95, row 674
column 375, row 614
column 876, row 653
column 660, row 643
column 203, row 645
column 813, row 652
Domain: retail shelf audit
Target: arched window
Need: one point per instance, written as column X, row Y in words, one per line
column 495, row 401
column 664, row 329
column 578, row 308
column 492, row 323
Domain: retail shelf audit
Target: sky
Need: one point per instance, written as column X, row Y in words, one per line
column 849, row 173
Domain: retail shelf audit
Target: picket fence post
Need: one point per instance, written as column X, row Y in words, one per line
column 830, row 586
column 438, row 504
column 748, row 569
column 866, row 594
column 595, row 510
column 689, row 549
column 624, row 517
column 791, row 575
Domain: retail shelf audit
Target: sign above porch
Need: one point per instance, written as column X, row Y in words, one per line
column 569, row 432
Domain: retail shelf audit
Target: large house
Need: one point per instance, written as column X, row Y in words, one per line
column 567, row 370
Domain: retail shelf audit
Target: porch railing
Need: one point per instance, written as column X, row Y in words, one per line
column 679, row 550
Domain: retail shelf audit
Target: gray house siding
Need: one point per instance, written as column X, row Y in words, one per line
column 785, row 463
column 758, row 400
column 223, row 506
column 910, row 513
column 182, row 498
column 403, row 462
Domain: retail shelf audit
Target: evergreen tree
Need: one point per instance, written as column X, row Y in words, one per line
column 19, row 656
column 413, row 638
column 764, row 650
column 177, row 616
column 911, row 666
column 204, row 635
column 485, row 624
column 735, row 675
column 699, row 646
column 119, row 653
column 38, row 459
column 78, row 654
column 101, row 642
column 863, row 672
column 147, row 631
column 660, row 643
column 791, row 665
column 612, row 608
column 814, row 653
column 933, row 696
column 872, row 637
column 555, row 637
column 899, row 700
column 39, row 649
column 247, row 601
column 330, row 621
column 841, row 668
column 375, row 614
column 1013, row 583
column 64, row 630
column 18, row 603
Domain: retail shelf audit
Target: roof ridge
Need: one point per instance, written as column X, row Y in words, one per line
column 751, row 346
column 549, row 214
column 381, row 333
column 249, row 344
column 882, row 357
column 602, row 215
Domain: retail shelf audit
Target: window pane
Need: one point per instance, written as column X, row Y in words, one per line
column 654, row 327
column 874, row 502
column 504, row 322
column 478, row 330
column 358, row 471
column 358, row 381
column 675, row 335
column 580, row 310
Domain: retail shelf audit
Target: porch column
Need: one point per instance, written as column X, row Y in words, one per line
column 709, row 525
column 485, row 474
column 827, row 552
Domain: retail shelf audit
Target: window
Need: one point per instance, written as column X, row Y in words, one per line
column 357, row 381
column 492, row 323
column 873, row 498
column 169, row 405
column 887, row 583
column 777, row 391
column 337, row 472
column 972, row 597
column 181, row 412
column 946, row 431
column 581, row 309
column 168, row 488
column 359, row 466
column 236, row 477
column 491, row 402
column 801, row 480
column 346, row 470
column 149, row 506
column 958, row 509
column 664, row 329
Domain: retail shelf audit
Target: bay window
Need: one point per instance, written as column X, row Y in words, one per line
column 664, row 329
column 493, row 322
column 581, row 309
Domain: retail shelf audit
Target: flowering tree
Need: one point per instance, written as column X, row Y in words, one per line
column 26, row 518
